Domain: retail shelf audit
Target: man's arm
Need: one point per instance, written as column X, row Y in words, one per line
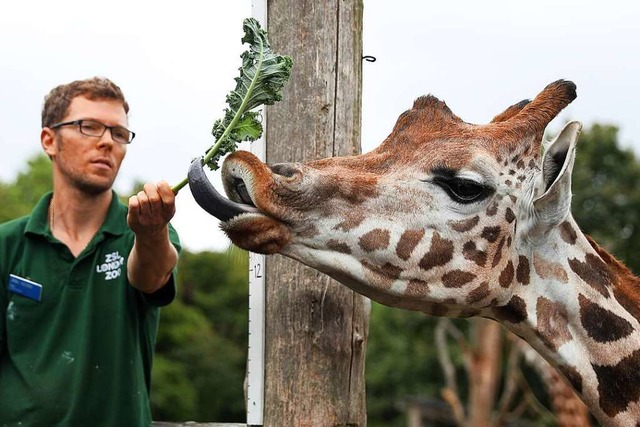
column 153, row 257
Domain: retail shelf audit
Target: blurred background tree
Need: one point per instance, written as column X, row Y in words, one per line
column 201, row 352
column 200, row 362
column 21, row 195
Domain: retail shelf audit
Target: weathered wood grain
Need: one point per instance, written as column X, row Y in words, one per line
column 316, row 329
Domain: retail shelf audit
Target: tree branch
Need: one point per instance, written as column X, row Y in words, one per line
column 450, row 393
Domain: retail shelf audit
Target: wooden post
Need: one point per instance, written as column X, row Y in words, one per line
column 316, row 329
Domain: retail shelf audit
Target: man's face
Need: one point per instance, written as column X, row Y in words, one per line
column 87, row 163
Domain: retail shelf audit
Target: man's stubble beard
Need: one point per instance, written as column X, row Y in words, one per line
column 79, row 181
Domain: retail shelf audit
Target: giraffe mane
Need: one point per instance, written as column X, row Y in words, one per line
column 626, row 285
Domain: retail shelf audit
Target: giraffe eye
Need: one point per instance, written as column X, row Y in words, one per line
column 463, row 190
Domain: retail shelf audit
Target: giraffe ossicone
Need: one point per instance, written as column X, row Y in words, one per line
column 458, row 219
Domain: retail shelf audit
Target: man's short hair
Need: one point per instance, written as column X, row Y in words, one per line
column 57, row 102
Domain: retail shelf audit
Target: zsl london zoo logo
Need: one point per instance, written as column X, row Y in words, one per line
column 111, row 267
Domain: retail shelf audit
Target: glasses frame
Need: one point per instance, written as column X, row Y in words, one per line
column 79, row 124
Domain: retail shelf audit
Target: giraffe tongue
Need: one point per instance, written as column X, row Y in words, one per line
column 208, row 197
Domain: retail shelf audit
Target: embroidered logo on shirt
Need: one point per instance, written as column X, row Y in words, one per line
column 112, row 266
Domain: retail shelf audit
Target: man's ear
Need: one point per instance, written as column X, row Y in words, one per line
column 47, row 140
column 552, row 203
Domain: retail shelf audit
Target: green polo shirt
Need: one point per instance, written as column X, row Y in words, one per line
column 81, row 356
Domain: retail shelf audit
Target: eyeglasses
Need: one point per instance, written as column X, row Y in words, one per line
column 96, row 129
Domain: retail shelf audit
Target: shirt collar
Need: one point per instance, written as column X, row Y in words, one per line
column 115, row 223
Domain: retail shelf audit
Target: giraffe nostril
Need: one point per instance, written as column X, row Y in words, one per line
column 284, row 169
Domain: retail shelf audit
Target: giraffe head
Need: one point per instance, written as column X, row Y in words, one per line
column 436, row 219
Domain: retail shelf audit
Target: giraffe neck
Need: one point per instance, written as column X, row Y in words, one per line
column 581, row 313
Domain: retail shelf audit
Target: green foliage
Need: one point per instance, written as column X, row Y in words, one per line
column 401, row 361
column 172, row 395
column 202, row 341
column 606, row 186
column 19, row 197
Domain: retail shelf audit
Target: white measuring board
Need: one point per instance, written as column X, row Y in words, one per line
column 255, row 359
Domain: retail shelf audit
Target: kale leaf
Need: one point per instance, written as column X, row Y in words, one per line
column 262, row 77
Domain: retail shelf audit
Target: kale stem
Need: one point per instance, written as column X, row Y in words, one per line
column 179, row 186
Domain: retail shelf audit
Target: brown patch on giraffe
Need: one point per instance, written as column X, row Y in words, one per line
column 626, row 300
column 549, row 270
column 408, row 242
column 440, row 253
column 594, row 272
column 522, row 272
column 470, row 252
column 375, row 239
column 385, row 274
column 308, row 231
column 498, row 256
column 492, row 209
column 572, row 375
column 601, row 324
column 355, row 190
column 514, row 312
column 506, row 276
column 553, row 327
column 464, row 225
column 509, row 215
column 478, row 294
column 626, row 287
column 338, row 246
column 491, row 233
column 417, row 288
column 567, row 233
column 438, row 310
column 457, row 278
column 619, row 384
column 350, row 221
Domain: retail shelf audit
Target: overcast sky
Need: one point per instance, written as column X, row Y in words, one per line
column 176, row 65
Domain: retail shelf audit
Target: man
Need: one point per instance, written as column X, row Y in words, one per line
column 82, row 278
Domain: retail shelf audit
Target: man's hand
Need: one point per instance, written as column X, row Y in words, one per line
column 151, row 209
column 153, row 257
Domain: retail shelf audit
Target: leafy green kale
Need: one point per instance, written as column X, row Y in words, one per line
column 262, row 76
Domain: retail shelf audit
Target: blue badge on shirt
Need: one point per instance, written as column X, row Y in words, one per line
column 25, row 287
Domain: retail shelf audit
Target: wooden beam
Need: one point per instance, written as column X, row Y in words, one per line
column 316, row 329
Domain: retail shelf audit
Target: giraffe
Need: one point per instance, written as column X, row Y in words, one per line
column 456, row 219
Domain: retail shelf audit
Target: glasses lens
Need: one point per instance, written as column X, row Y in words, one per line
column 91, row 128
column 120, row 134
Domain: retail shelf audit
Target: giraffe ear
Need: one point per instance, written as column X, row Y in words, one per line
column 553, row 190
